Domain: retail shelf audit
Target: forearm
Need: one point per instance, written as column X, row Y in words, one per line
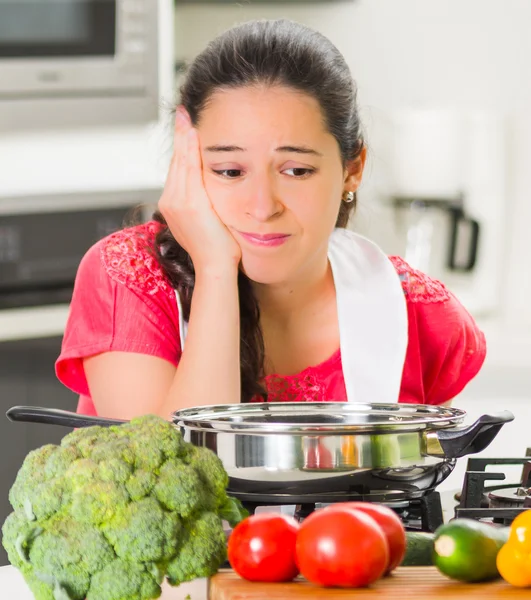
column 209, row 369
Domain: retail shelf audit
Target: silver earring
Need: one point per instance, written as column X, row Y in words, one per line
column 349, row 197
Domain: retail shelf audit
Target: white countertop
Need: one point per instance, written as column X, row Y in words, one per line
column 33, row 322
column 13, row 587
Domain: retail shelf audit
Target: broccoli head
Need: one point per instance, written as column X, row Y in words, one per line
column 112, row 512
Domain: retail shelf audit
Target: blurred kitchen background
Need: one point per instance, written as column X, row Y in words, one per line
column 445, row 92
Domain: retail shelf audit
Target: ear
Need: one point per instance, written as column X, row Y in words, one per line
column 354, row 171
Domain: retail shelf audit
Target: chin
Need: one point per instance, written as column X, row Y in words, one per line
column 265, row 272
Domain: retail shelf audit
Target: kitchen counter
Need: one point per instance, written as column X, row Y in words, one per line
column 33, row 322
column 406, row 583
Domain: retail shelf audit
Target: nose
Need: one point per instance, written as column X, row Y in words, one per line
column 263, row 202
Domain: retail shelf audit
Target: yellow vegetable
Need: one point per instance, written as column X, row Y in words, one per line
column 514, row 558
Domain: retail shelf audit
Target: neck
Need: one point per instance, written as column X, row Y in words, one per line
column 285, row 302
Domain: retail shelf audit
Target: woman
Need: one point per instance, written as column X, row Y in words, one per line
column 248, row 260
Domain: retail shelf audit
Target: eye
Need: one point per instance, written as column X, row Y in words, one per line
column 229, row 173
column 299, row 172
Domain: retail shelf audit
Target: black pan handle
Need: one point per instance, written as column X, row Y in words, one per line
column 53, row 416
column 475, row 438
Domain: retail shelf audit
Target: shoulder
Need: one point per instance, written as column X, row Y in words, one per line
column 128, row 257
column 446, row 348
column 436, row 315
column 419, row 287
column 432, row 307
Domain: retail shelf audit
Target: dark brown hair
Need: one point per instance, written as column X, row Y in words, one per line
column 278, row 52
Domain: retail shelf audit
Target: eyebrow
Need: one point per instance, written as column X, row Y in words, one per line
column 296, row 149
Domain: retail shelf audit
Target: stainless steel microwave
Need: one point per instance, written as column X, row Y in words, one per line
column 67, row 63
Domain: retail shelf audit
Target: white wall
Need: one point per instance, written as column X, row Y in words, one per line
column 404, row 52
column 459, row 54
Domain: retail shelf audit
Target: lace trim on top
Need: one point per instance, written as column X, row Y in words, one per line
column 128, row 258
column 417, row 286
column 307, row 386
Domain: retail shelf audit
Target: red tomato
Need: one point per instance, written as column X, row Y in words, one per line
column 391, row 525
column 341, row 548
column 262, row 547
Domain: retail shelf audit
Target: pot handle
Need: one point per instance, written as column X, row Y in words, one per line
column 455, row 443
column 54, row 416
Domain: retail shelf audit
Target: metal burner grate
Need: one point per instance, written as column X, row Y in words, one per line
column 419, row 514
column 499, row 504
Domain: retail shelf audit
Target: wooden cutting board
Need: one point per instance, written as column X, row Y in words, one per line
column 406, row 583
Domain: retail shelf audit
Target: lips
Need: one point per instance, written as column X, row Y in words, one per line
column 267, row 239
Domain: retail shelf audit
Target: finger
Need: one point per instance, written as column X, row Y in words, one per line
column 175, row 180
column 182, row 127
column 195, row 187
column 183, row 124
column 178, row 160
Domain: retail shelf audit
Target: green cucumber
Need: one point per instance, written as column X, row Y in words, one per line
column 466, row 550
column 419, row 549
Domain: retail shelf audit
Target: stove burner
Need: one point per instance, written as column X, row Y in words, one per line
column 499, row 504
column 508, row 497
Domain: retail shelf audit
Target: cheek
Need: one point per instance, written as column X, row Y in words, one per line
column 221, row 198
column 319, row 204
column 317, row 211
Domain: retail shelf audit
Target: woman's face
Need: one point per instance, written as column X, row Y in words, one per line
column 274, row 176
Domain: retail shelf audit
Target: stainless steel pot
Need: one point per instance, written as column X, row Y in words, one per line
column 296, row 452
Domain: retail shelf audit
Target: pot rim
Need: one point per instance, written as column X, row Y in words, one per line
column 265, row 418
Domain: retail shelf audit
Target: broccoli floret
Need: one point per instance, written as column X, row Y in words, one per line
column 46, row 498
column 81, row 472
column 141, row 433
column 59, row 461
column 144, row 531
column 86, row 439
column 180, row 488
column 20, row 532
column 115, row 469
column 66, row 553
column 203, row 550
column 123, row 580
column 172, row 446
column 140, row 484
column 32, row 472
column 116, row 448
column 111, row 512
column 98, row 501
column 210, row 469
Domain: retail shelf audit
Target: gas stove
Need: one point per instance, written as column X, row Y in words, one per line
column 498, row 504
column 418, row 514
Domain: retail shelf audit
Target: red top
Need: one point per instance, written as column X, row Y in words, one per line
column 122, row 301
